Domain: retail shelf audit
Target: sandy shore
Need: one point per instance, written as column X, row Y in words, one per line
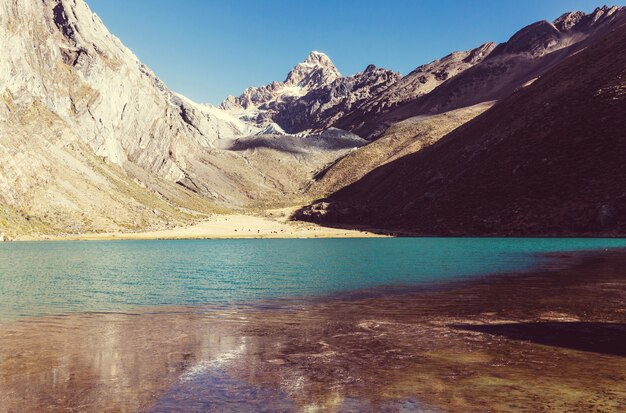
column 274, row 224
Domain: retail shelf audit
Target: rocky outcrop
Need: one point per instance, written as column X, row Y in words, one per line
column 578, row 21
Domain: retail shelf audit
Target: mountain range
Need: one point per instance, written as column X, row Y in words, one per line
column 518, row 138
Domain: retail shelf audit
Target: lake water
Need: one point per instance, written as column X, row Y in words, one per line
column 46, row 278
column 247, row 325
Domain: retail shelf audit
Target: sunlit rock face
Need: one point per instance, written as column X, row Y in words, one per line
column 91, row 139
column 59, row 57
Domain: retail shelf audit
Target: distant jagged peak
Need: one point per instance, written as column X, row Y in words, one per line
column 318, row 59
column 316, row 70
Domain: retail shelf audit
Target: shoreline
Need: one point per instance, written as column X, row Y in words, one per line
column 253, row 226
column 550, row 339
column 233, row 226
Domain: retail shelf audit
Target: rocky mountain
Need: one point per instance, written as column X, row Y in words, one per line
column 92, row 140
column 322, row 107
column 315, row 96
column 547, row 160
column 260, row 105
column 419, row 82
column 498, row 71
column 312, row 98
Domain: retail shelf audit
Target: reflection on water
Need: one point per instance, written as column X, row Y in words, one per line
column 190, row 362
column 484, row 345
column 113, row 362
column 49, row 278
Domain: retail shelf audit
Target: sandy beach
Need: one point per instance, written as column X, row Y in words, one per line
column 269, row 224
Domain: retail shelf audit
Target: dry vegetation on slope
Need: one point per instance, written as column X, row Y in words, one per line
column 403, row 138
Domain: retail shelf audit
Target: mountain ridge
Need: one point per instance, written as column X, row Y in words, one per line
column 529, row 52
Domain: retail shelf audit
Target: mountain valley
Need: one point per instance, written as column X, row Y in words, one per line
column 92, row 141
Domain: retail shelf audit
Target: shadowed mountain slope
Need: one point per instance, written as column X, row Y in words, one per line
column 548, row 160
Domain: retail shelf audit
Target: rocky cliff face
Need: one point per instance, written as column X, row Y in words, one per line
column 58, row 56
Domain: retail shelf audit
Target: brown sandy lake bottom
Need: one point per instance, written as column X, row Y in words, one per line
column 553, row 340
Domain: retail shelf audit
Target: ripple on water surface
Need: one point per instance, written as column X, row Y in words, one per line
column 41, row 278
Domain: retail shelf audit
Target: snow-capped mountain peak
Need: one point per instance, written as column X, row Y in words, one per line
column 318, row 59
column 311, row 98
column 316, row 70
column 259, row 104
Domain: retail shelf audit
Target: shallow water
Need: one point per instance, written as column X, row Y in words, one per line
column 548, row 340
column 44, row 278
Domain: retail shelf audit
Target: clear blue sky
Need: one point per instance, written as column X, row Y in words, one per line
column 208, row 49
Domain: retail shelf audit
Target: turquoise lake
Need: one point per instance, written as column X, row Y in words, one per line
column 45, row 278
